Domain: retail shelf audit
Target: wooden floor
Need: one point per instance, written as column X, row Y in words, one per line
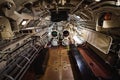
column 59, row 67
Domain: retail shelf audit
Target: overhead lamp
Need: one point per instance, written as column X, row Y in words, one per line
column 97, row 0
column 63, row 2
column 118, row 3
column 24, row 22
column 78, row 16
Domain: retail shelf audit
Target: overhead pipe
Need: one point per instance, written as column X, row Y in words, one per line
column 93, row 7
column 76, row 8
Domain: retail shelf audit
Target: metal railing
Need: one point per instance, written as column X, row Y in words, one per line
column 20, row 59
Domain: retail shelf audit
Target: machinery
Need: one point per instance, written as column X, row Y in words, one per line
column 87, row 31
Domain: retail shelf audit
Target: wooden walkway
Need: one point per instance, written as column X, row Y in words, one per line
column 59, row 67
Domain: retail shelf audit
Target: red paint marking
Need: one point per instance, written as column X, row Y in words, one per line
column 95, row 66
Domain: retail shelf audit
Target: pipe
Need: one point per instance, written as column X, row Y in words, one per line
column 77, row 7
column 20, row 63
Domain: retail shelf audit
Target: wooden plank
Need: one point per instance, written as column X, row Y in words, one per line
column 59, row 67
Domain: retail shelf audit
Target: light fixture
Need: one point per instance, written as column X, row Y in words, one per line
column 24, row 22
column 118, row 3
column 97, row 0
column 78, row 16
column 63, row 2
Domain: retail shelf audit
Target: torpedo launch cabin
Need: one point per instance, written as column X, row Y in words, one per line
column 59, row 39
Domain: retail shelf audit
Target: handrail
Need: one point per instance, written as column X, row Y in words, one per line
column 16, row 68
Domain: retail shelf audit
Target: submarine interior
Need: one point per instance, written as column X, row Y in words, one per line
column 59, row 39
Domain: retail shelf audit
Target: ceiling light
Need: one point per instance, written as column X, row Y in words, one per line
column 24, row 22
column 78, row 16
column 97, row 0
column 118, row 3
column 63, row 2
